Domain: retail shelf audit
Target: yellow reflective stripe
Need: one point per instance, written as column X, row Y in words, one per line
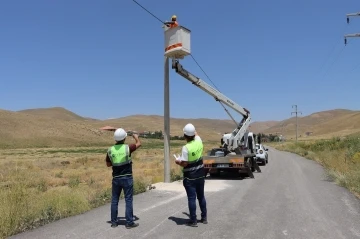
column 193, row 168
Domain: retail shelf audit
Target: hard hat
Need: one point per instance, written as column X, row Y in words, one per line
column 173, row 16
column 120, row 134
column 189, row 130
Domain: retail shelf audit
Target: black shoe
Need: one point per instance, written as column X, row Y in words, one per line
column 204, row 220
column 191, row 224
column 128, row 226
column 114, row 224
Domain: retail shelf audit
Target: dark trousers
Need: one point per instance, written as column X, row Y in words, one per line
column 118, row 184
column 195, row 188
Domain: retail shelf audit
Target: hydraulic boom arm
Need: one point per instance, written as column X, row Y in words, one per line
column 239, row 132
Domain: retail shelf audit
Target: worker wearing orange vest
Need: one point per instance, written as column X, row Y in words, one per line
column 173, row 22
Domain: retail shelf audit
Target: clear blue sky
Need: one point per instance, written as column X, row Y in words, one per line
column 104, row 59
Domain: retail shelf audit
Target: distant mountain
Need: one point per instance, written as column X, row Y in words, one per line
column 58, row 127
column 320, row 124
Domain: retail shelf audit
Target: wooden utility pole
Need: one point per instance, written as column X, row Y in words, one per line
column 357, row 14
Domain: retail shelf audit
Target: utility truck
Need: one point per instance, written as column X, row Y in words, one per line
column 237, row 152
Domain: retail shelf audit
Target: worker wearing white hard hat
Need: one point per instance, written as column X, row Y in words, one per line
column 119, row 158
column 194, row 173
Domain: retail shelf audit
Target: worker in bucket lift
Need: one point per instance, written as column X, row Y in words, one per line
column 173, row 22
column 194, row 173
column 119, row 158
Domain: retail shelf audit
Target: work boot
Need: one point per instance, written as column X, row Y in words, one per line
column 191, row 224
column 129, row 226
column 204, row 220
column 114, row 224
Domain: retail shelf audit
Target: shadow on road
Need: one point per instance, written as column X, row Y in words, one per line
column 179, row 220
column 229, row 176
column 122, row 221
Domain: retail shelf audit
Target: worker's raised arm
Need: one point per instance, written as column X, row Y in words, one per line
column 197, row 137
column 137, row 140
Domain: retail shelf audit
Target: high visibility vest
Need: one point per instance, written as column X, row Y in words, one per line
column 195, row 167
column 119, row 154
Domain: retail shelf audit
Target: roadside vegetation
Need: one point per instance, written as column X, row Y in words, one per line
column 41, row 185
column 339, row 156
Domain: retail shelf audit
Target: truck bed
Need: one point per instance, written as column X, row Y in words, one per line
column 229, row 163
column 235, row 160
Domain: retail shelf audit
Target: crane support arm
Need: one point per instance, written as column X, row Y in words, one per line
column 234, row 141
column 353, row 14
column 209, row 89
column 352, row 35
column 357, row 14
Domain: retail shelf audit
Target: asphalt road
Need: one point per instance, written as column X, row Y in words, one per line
column 291, row 198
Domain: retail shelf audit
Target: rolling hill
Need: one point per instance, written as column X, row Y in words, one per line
column 54, row 113
column 34, row 129
column 59, row 127
column 325, row 124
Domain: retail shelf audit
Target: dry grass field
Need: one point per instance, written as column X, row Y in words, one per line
column 52, row 161
column 40, row 185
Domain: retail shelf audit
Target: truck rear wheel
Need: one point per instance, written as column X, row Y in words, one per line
column 249, row 163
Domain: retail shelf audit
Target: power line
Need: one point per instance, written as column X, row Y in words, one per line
column 226, row 110
column 149, row 12
column 357, row 66
column 190, row 54
column 331, row 52
column 204, row 71
column 336, row 58
column 193, row 59
column 328, row 56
